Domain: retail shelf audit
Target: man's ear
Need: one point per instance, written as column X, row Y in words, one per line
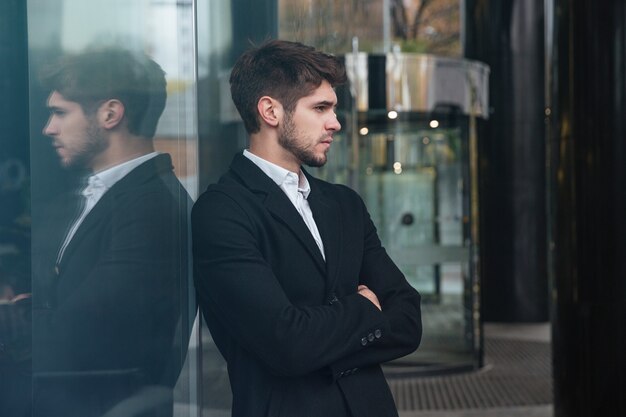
column 270, row 110
column 110, row 113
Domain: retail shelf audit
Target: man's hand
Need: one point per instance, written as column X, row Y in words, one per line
column 367, row 293
column 20, row 297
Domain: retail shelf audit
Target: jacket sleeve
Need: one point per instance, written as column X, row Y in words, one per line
column 400, row 304
column 237, row 288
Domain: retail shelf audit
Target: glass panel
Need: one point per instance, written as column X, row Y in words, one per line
column 414, row 186
column 112, row 300
column 219, row 140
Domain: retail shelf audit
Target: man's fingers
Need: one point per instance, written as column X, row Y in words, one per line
column 367, row 293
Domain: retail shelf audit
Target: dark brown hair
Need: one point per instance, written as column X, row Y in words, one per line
column 285, row 71
column 92, row 77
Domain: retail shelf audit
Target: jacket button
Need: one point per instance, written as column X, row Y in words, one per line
column 333, row 299
column 370, row 337
column 364, row 341
column 378, row 334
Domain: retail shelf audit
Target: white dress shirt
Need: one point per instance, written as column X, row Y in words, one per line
column 297, row 189
column 98, row 184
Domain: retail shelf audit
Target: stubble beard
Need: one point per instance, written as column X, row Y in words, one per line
column 95, row 142
column 288, row 139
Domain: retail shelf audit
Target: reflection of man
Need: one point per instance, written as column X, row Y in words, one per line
column 300, row 297
column 105, row 319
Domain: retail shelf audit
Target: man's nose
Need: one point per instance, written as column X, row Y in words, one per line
column 49, row 129
column 333, row 123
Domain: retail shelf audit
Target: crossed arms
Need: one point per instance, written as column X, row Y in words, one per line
column 239, row 286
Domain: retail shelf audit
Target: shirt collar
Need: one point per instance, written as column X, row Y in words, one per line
column 281, row 176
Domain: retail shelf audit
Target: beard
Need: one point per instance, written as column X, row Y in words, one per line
column 95, row 142
column 294, row 141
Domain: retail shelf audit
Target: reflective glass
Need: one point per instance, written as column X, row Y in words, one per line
column 113, row 173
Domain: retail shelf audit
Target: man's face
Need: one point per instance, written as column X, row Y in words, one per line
column 77, row 138
column 308, row 131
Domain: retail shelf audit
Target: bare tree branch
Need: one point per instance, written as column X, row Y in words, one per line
column 398, row 15
column 417, row 19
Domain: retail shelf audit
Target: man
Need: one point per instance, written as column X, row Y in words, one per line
column 110, row 310
column 299, row 295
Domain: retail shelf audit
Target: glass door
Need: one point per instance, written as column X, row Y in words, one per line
column 415, row 181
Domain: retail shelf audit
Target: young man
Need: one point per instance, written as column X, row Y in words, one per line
column 107, row 306
column 300, row 297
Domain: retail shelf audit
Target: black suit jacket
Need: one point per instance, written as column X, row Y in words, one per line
column 110, row 318
column 298, row 339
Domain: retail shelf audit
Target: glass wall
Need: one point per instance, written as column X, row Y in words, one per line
column 218, row 141
column 103, row 321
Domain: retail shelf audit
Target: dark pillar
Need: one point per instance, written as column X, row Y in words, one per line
column 15, row 395
column 588, row 207
column 508, row 36
column 14, row 147
column 252, row 21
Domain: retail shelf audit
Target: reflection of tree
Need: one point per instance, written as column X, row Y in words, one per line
column 400, row 15
column 399, row 18
column 417, row 25
column 331, row 24
column 419, row 17
column 427, row 25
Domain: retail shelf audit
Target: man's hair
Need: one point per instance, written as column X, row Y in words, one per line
column 92, row 77
column 285, row 71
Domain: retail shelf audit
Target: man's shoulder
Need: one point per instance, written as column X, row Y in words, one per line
column 330, row 186
column 228, row 184
column 338, row 191
column 227, row 191
column 149, row 186
column 155, row 172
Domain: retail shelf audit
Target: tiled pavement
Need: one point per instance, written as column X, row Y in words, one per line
column 516, row 381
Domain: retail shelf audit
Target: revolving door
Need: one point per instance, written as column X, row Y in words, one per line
column 408, row 148
column 415, row 182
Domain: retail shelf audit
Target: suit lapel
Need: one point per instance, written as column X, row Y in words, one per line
column 278, row 204
column 327, row 215
column 92, row 219
column 106, row 204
